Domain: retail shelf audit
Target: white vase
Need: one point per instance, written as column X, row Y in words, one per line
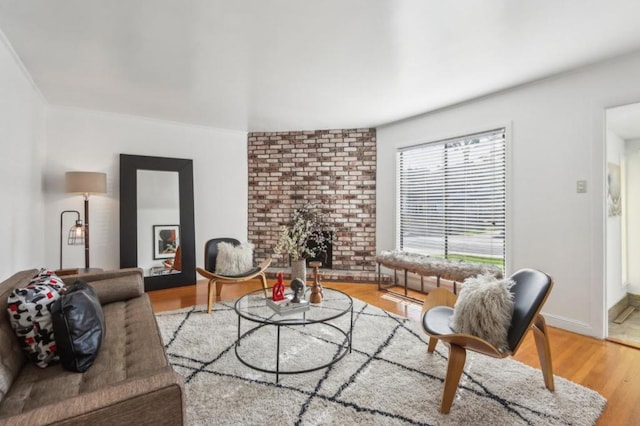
column 299, row 270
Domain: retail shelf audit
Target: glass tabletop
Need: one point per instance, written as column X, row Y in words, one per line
column 253, row 307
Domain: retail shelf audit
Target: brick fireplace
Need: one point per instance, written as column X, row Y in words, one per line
column 332, row 169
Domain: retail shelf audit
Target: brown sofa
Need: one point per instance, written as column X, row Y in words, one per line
column 130, row 382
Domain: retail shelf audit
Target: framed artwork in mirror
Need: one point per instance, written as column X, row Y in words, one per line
column 166, row 239
column 614, row 189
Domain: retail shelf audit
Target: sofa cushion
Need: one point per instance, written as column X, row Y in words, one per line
column 113, row 286
column 78, row 324
column 30, row 318
column 49, row 278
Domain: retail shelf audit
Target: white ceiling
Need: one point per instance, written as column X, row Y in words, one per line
column 299, row 64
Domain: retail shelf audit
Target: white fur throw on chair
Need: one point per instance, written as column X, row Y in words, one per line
column 234, row 260
column 484, row 309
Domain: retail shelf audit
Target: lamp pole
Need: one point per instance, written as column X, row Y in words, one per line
column 86, row 183
column 86, row 231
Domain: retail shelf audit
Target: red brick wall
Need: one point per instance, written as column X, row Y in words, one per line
column 333, row 169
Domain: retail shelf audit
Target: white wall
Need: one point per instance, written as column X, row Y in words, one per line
column 632, row 205
column 22, row 115
column 557, row 137
column 92, row 141
column 616, row 289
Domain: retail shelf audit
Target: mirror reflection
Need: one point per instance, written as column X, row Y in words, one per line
column 622, row 168
column 158, row 220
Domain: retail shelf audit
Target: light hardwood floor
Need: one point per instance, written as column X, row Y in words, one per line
column 610, row 368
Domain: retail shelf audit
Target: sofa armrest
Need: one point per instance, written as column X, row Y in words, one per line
column 112, row 286
column 155, row 399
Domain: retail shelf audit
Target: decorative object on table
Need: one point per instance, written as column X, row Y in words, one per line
column 530, row 290
column 316, row 289
column 216, row 279
column 299, row 269
column 287, row 305
column 86, row 183
column 76, row 233
column 278, row 289
column 388, row 350
column 308, row 225
column 298, row 287
column 166, row 239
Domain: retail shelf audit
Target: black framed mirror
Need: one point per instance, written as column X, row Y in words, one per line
column 157, row 219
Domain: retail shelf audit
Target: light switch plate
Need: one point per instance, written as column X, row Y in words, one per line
column 581, row 186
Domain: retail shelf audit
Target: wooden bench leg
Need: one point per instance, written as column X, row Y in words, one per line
column 406, row 279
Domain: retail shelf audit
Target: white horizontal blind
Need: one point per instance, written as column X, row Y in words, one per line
column 452, row 198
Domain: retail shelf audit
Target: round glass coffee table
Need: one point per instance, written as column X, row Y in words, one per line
column 293, row 343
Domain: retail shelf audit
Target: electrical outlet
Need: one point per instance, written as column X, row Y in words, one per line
column 581, row 186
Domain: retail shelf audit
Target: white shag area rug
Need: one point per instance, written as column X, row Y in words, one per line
column 389, row 378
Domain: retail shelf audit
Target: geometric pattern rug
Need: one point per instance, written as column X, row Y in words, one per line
column 388, row 378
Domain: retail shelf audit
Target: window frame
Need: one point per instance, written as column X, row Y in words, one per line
column 507, row 131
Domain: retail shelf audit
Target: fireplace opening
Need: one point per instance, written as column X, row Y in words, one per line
column 326, row 256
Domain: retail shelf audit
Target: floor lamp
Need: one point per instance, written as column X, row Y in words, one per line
column 86, row 183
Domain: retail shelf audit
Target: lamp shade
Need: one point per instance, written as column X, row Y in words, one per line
column 86, row 182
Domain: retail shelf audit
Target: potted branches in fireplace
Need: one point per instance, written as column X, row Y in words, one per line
column 307, row 236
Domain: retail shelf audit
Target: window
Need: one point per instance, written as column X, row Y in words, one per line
column 452, row 198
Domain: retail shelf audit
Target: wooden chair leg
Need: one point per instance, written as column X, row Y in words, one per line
column 264, row 283
column 218, row 289
column 541, row 337
column 432, row 344
column 457, row 357
column 210, row 298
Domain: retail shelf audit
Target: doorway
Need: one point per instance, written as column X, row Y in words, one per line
column 623, row 224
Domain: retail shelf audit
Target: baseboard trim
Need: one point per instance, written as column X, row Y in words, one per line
column 574, row 326
column 617, row 309
column 622, row 317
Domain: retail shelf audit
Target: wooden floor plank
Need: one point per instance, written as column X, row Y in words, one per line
column 610, row 368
